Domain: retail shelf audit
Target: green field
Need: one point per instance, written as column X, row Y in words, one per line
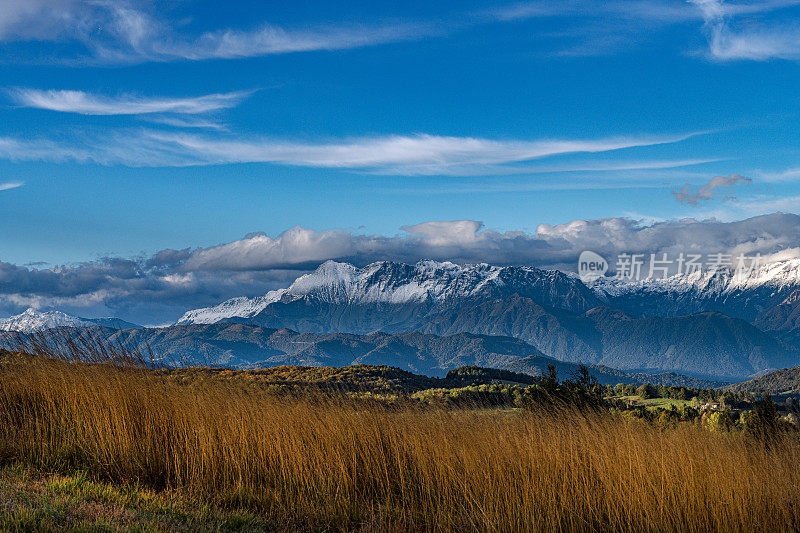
column 32, row 500
column 655, row 403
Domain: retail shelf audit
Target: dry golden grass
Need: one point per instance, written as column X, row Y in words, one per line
column 337, row 464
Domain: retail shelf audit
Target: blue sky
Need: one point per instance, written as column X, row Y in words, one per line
column 127, row 128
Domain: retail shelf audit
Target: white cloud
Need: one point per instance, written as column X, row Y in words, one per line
column 270, row 40
column 692, row 196
column 748, row 42
column 37, row 19
column 603, row 27
column 789, row 174
column 93, row 104
column 119, row 32
column 417, row 154
column 10, row 185
column 398, row 154
column 190, row 123
column 752, row 206
column 467, row 241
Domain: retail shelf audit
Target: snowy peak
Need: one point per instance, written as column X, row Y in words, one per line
column 744, row 294
column 241, row 307
column 32, row 320
column 778, row 275
column 398, row 283
column 426, row 282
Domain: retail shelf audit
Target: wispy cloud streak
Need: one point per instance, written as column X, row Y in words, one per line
column 761, row 43
column 398, row 154
column 117, row 32
column 93, row 104
column 691, row 196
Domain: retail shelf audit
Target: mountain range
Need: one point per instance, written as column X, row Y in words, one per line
column 703, row 324
column 710, row 325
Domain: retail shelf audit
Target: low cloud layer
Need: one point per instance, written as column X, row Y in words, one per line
column 158, row 289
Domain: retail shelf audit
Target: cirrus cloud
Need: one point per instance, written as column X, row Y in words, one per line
column 420, row 154
column 92, row 104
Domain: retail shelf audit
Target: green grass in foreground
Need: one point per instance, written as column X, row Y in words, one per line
column 32, row 500
column 655, row 403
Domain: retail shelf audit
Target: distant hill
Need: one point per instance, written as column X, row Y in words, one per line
column 246, row 346
column 537, row 366
column 784, row 380
column 379, row 379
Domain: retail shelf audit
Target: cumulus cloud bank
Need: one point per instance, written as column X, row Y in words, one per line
column 159, row 288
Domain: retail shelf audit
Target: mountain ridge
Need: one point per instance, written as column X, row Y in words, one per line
column 248, row 346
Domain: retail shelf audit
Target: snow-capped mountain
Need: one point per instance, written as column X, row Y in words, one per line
column 240, row 307
column 426, row 284
column 443, row 284
column 32, row 320
column 745, row 295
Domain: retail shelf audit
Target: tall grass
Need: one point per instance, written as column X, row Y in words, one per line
column 317, row 463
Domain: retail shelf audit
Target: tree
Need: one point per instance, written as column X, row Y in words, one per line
column 719, row 421
column 762, row 422
column 646, row 391
column 550, row 379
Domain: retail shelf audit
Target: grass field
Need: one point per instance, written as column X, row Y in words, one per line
column 31, row 500
column 257, row 461
column 654, row 403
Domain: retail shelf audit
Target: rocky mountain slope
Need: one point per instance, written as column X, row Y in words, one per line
column 783, row 320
